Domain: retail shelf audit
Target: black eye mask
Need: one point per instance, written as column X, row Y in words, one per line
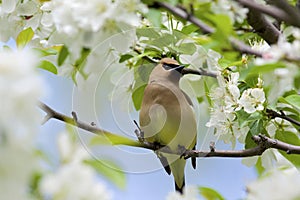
column 173, row 67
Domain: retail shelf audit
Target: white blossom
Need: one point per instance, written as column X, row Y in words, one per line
column 202, row 57
column 252, row 100
column 227, row 101
column 233, row 93
column 276, row 185
column 73, row 179
column 261, row 46
column 71, row 17
column 8, row 6
column 20, row 88
column 281, row 80
column 17, row 15
column 283, row 48
column 189, row 193
column 226, row 128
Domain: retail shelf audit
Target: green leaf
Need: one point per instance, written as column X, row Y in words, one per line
column 24, row 37
column 290, row 138
column 137, row 96
column 187, row 48
column 63, row 54
column 294, row 100
column 48, row 66
column 125, row 57
column 252, row 80
column 178, row 35
column 147, row 32
column 258, row 166
column 149, row 2
column 46, row 52
column 242, row 117
column 163, row 41
column 34, row 184
column 288, row 109
column 189, row 29
column 249, row 143
column 6, row 48
column 154, row 16
column 80, row 62
column 207, row 94
column 200, row 99
column 260, row 69
column 224, row 30
column 256, row 127
column 109, row 170
column 210, row 194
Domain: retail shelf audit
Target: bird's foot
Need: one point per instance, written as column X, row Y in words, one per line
column 139, row 133
column 182, row 151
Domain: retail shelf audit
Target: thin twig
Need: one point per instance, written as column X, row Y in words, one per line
column 273, row 114
column 263, row 142
column 243, row 48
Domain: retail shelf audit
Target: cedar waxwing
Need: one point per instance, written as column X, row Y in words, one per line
column 167, row 118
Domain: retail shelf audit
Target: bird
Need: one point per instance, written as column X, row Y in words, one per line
column 167, row 118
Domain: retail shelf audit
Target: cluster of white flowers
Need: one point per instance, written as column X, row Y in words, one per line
column 20, row 88
column 189, row 193
column 74, row 179
column 276, row 185
column 57, row 22
column 71, row 17
column 92, row 24
column 280, row 79
column 282, row 49
column 252, row 100
column 16, row 15
column 228, row 99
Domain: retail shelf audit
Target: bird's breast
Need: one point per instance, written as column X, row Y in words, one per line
column 166, row 117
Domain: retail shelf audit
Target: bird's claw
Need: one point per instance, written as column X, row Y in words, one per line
column 182, row 151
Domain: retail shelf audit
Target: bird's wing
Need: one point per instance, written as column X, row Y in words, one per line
column 193, row 159
column 187, row 98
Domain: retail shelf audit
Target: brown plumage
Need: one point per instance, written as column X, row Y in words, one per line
column 167, row 117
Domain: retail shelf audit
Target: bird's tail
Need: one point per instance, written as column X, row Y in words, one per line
column 179, row 189
column 177, row 168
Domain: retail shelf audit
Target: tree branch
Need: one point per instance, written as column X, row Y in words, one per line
column 273, row 114
column 262, row 26
column 238, row 45
column 263, row 142
column 243, row 48
column 284, row 12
